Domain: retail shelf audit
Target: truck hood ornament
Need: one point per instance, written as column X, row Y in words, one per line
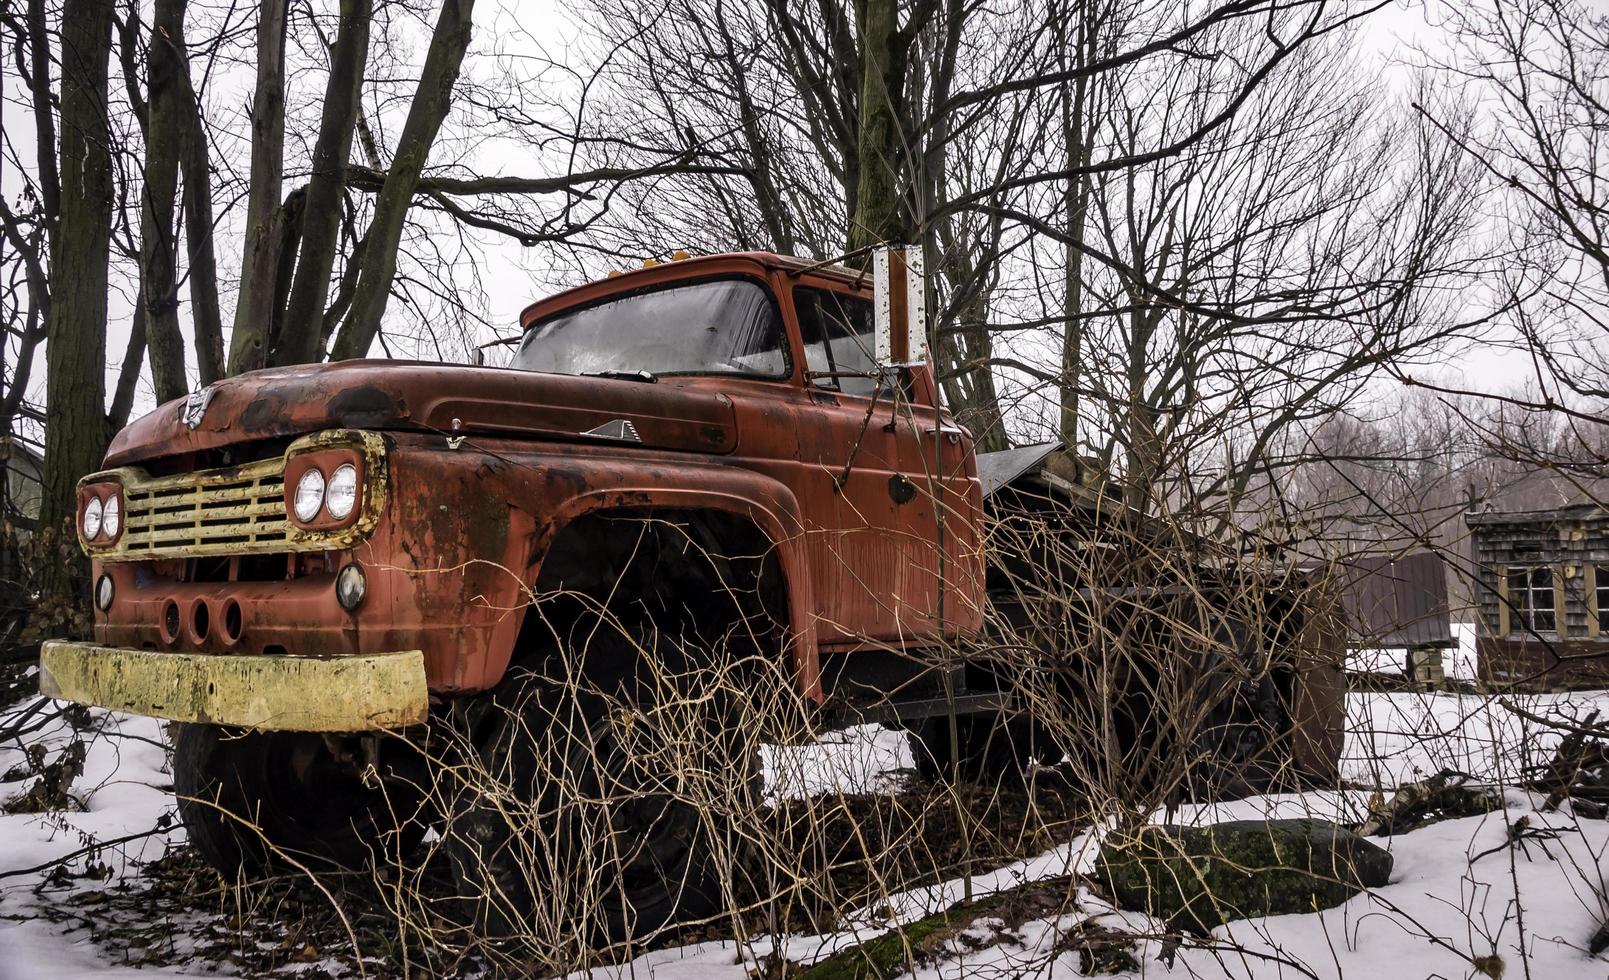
column 195, row 406
column 619, row 429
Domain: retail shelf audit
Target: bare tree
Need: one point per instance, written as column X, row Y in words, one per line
column 343, row 98
column 79, row 242
column 265, row 217
column 167, row 63
column 1537, row 69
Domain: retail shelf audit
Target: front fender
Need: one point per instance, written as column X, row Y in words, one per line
column 766, row 503
column 469, row 530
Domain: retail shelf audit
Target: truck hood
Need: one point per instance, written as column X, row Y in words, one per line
column 378, row 394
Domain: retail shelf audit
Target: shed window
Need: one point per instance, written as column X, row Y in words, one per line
column 1600, row 595
column 1530, row 590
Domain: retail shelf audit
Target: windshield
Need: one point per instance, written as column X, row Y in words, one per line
column 727, row 326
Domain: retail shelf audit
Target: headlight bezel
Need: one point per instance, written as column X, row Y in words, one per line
column 326, row 461
column 93, row 498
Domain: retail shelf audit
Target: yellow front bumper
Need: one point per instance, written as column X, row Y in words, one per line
column 341, row 694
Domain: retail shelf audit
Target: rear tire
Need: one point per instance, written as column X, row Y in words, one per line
column 249, row 800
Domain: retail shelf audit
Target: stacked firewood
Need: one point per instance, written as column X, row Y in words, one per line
column 1579, row 769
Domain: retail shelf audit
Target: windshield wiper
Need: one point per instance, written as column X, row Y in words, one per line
column 646, row 377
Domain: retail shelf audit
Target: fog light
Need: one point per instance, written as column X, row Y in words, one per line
column 103, row 593
column 350, row 587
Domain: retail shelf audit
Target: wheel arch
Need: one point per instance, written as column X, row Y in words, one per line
column 768, row 520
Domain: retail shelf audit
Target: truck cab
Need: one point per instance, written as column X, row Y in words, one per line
column 738, row 387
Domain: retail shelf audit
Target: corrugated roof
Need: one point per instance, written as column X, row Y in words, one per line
column 998, row 469
column 1397, row 601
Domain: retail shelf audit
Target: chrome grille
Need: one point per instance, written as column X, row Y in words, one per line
column 238, row 510
column 207, row 513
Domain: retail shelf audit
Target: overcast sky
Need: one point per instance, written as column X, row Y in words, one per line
column 514, row 276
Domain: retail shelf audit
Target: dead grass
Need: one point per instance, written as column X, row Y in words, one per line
column 178, row 911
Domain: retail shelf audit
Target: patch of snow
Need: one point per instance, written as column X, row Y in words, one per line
column 850, row 760
column 126, row 790
column 1396, row 738
column 1448, row 900
column 1457, row 663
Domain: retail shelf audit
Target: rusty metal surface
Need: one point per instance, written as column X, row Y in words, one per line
column 850, row 491
column 344, row 694
column 388, row 395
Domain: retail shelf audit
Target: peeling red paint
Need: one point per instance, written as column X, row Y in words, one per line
column 485, row 466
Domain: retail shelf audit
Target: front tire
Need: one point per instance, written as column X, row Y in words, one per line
column 252, row 800
column 598, row 809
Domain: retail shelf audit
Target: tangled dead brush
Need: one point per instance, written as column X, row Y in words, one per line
column 612, row 793
column 633, row 786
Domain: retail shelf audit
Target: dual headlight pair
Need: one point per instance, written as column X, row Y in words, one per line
column 102, row 515
column 334, row 495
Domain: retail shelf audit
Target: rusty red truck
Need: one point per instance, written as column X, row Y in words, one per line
column 294, row 559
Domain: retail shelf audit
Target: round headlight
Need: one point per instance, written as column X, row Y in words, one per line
column 350, row 587
column 309, row 495
column 111, row 515
column 103, row 593
column 92, row 518
column 342, row 494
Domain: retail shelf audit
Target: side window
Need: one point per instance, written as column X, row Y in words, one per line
column 1531, row 592
column 1600, row 581
column 837, row 332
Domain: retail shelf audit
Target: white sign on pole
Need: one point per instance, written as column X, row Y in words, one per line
column 900, row 295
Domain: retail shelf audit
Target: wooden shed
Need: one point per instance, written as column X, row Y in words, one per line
column 1543, row 596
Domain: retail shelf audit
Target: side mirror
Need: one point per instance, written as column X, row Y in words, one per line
column 899, row 295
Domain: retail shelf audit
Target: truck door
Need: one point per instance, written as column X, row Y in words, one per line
column 941, row 520
column 878, row 571
column 857, row 558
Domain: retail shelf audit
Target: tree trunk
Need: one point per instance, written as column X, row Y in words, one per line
column 75, row 352
column 254, row 309
column 971, row 393
column 299, row 341
column 44, row 118
column 195, row 162
column 430, row 105
column 288, row 225
column 1075, row 202
column 129, row 375
column 159, row 289
column 1141, row 437
column 877, row 216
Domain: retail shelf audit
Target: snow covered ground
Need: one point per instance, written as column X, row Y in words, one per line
column 1458, row 896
